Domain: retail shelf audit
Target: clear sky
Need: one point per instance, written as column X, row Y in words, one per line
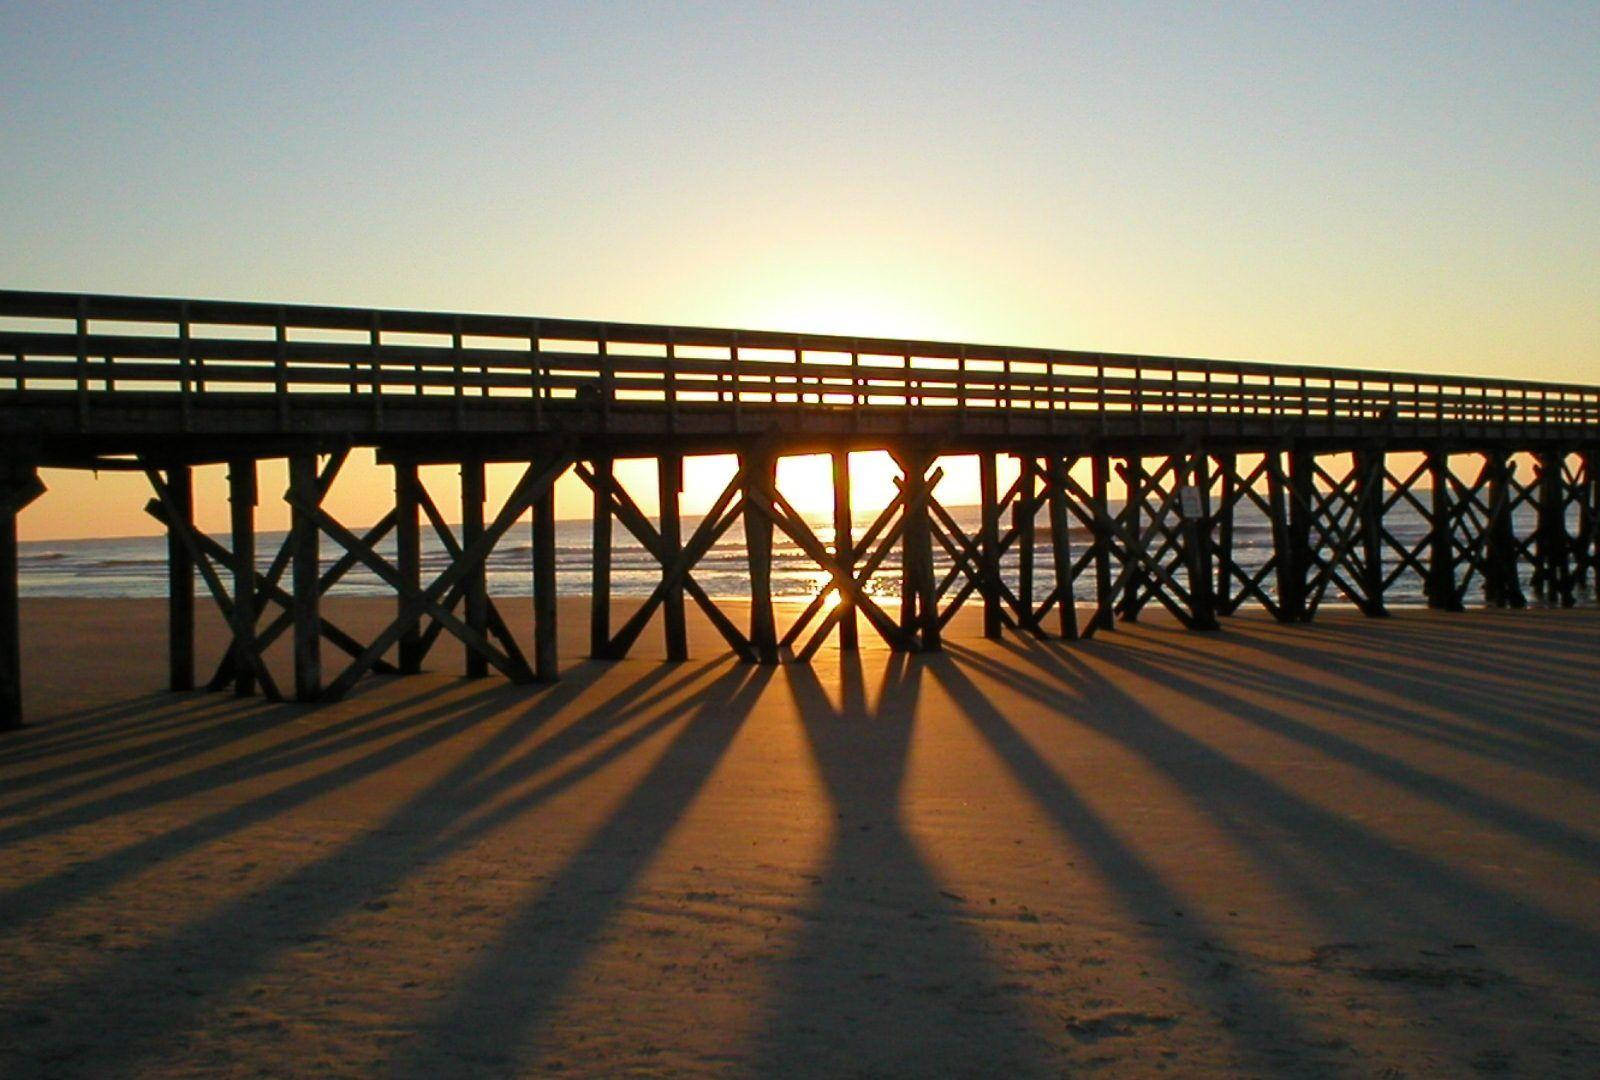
column 1386, row 185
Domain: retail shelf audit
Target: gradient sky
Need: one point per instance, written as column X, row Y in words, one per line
column 1407, row 186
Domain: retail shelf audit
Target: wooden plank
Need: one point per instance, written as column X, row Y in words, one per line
column 242, row 506
column 1061, row 546
column 844, row 549
column 669, row 469
column 600, row 579
column 180, row 581
column 304, row 493
column 408, row 558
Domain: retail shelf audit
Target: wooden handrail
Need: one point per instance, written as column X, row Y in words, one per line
column 67, row 341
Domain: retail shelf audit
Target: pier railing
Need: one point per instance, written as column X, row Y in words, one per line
column 94, row 344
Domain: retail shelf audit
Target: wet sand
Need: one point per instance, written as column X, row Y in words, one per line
column 1364, row 848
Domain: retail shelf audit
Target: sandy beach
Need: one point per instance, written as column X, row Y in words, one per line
column 1362, row 848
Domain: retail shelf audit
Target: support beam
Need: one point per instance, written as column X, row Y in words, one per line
column 305, row 493
column 19, row 486
column 546, row 666
column 242, row 506
column 180, row 582
column 408, row 558
column 760, row 466
column 844, row 548
column 600, row 581
column 477, row 579
column 670, row 476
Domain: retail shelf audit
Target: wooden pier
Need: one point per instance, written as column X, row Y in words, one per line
column 1325, row 455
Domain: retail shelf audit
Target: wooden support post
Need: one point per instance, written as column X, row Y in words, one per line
column 180, row 582
column 1061, row 546
column 408, row 558
column 600, row 582
column 477, row 582
column 1228, row 464
column 1552, row 575
column 1302, row 492
column 1022, row 519
column 989, row 544
column 1369, row 497
column 917, row 552
column 305, row 493
column 670, row 473
column 758, row 543
column 1197, row 542
column 1500, row 585
column 19, row 485
column 844, row 548
column 1282, row 547
column 546, row 666
column 1133, row 574
column 242, row 504
column 1104, row 601
column 1441, row 586
column 1588, row 556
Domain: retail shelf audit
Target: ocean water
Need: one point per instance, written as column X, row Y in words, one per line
column 136, row 566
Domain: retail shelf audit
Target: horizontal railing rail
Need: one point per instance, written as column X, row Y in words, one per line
column 94, row 345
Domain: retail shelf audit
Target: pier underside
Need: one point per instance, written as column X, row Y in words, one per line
column 1134, row 475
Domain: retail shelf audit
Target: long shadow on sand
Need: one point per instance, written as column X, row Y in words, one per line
column 848, row 1003
column 240, row 939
